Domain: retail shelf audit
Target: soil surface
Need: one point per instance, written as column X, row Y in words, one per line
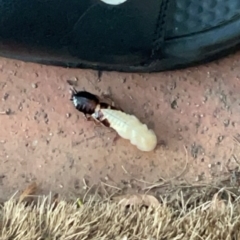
column 195, row 113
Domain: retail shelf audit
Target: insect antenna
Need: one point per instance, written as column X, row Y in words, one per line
column 72, row 91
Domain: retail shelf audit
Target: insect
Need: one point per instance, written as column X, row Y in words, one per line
column 127, row 126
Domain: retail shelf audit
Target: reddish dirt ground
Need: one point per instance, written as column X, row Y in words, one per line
column 194, row 112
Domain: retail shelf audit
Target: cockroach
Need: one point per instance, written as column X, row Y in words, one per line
column 127, row 126
column 84, row 102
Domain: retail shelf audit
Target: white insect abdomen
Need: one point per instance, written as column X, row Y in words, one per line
column 129, row 127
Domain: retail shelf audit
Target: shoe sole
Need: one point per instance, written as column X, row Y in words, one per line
column 178, row 53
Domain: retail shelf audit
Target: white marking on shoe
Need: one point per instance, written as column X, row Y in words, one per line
column 113, row 2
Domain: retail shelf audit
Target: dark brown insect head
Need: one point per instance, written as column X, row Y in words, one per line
column 84, row 102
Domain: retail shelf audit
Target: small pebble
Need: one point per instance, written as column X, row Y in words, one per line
column 73, row 79
column 197, row 179
column 204, row 100
column 226, row 122
column 7, row 112
column 34, row 143
column 34, row 85
column 5, row 96
column 220, row 138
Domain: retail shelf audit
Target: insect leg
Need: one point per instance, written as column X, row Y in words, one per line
column 112, row 102
column 97, row 122
column 87, row 117
column 107, row 97
column 115, row 139
column 72, row 91
column 90, row 118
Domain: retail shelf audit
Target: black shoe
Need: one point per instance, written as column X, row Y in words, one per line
column 135, row 36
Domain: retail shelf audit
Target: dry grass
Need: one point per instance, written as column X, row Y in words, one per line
column 209, row 213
